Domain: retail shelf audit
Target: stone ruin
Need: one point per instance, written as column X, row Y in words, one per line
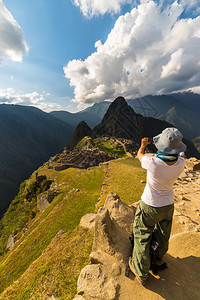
column 82, row 159
column 90, row 154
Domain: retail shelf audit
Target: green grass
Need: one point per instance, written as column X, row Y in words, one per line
column 56, row 271
column 111, row 147
column 65, row 215
column 19, row 213
column 20, row 210
column 84, row 143
column 124, row 178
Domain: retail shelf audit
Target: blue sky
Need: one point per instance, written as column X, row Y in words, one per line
column 69, row 54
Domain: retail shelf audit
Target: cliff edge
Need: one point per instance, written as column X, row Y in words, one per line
column 104, row 277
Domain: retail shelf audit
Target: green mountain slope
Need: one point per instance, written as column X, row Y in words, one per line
column 28, row 137
column 63, row 213
column 41, row 264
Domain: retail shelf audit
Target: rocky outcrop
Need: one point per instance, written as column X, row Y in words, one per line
column 11, row 242
column 113, row 226
column 88, row 221
column 44, row 199
column 78, row 297
column 111, row 248
column 94, row 283
column 40, row 185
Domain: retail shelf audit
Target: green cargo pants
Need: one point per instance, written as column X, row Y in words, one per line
column 147, row 219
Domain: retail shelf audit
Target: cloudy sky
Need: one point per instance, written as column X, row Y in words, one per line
column 68, row 54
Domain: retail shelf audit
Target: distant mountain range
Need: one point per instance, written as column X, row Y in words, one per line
column 91, row 115
column 28, row 137
column 180, row 109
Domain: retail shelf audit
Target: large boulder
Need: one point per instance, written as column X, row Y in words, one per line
column 42, row 202
column 11, row 242
column 94, row 283
column 113, row 226
column 88, row 221
column 110, row 251
column 120, row 212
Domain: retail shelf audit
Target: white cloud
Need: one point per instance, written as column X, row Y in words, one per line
column 187, row 4
column 100, row 7
column 174, row 65
column 190, row 4
column 149, row 51
column 12, row 41
column 91, row 8
column 195, row 89
column 10, row 96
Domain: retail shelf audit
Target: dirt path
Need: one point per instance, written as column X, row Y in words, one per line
column 179, row 281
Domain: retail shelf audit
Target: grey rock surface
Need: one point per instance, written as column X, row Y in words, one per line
column 111, row 248
column 94, row 283
column 42, row 202
column 88, row 221
column 11, row 242
column 44, row 199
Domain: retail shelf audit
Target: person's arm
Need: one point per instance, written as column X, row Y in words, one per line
column 144, row 143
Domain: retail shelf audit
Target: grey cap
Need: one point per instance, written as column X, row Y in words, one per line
column 170, row 141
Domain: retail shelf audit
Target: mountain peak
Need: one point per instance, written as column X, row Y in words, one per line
column 120, row 100
column 118, row 106
column 118, row 103
column 82, row 129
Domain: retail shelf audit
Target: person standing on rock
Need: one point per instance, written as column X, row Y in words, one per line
column 155, row 211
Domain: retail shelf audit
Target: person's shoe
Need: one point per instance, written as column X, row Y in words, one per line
column 141, row 281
